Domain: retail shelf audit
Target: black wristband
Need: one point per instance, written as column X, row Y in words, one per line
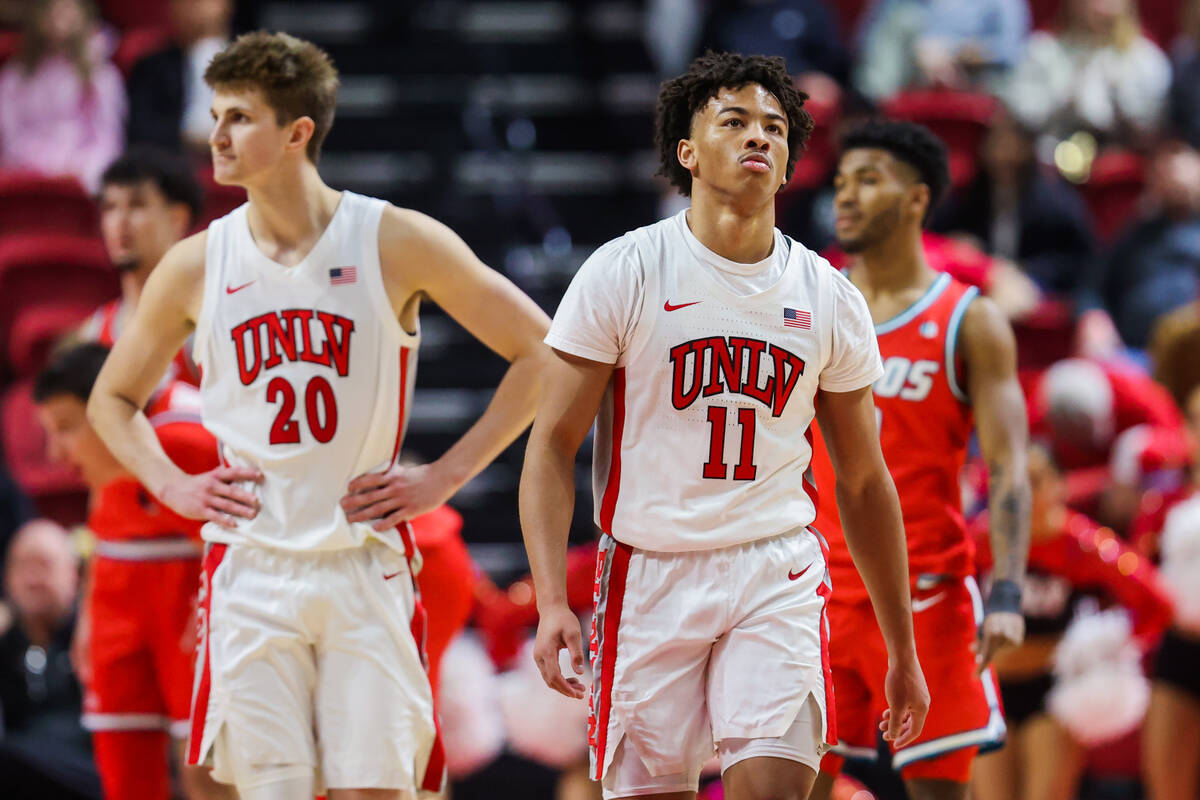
column 1005, row 596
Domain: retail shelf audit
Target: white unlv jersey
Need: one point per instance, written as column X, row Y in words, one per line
column 703, row 437
column 306, row 375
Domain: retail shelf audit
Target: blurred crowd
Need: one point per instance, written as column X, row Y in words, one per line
column 1073, row 128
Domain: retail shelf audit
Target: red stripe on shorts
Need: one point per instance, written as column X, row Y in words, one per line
column 608, row 656
column 608, row 505
column 212, row 560
column 824, row 591
column 435, row 768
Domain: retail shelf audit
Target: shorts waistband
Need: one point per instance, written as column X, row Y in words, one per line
column 149, row 549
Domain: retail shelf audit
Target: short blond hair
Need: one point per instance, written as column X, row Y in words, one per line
column 297, row 78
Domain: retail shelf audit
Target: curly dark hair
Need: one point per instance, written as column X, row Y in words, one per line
column 911, row 144
column 680, row 98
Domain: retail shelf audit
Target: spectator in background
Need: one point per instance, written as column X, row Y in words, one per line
column 1018, row 212
column 15, row 510
column 135, row 644
column 62, row 102
column 169, row 102
column 1151, row 269
column 44, row 751
column 1097, row 73
column 804, row 32
column 1072, row 561
column 148, row 200
column 1184, row 100
column 1082, row 408
column 905, row 43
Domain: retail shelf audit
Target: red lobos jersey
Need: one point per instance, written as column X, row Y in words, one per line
column 122, row 509
column 105, row 325
column 925, row 421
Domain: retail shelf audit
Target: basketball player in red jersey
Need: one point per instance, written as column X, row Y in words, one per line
column 148, row 202
column 703, row 346
column 303, row 304
column 134, row 645
column 949, row 366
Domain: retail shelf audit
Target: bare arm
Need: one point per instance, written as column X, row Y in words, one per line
column 164, row 317
column 421, row 256
column 574, row 389
column 990, row 354
column 874, row 531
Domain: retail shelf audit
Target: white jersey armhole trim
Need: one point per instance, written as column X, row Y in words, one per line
column 373, row 272
column 952, row 327
column 214, row 241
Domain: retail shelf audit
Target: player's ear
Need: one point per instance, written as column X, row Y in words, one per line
column 302, row 131
column 686, row 154
column 919, row 199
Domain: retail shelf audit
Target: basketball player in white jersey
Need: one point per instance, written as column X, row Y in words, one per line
column 303, row 305
column 703, row 346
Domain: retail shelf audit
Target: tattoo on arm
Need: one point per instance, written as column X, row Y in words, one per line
column 1009, row 504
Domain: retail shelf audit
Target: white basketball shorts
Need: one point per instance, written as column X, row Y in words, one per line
column 314, row 660
column 696, row 648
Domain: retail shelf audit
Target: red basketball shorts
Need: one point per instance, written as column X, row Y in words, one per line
column 964, row 713
column 143, row 643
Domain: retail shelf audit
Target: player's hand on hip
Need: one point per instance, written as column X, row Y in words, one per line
column 558, row 627
column 401, row 493
column 213, row 495
column 1000, row 630
column 908, row 701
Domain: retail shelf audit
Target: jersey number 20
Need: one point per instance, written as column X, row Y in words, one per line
column 286, row 430
column 716, row 467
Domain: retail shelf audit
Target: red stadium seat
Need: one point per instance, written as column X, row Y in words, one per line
column 126, row 15
column 218, row 200
column 136, row 43
column 1113, row 189
column 1044, row 14
column 959, row 118
column 818, row 157
column 25, row 447
column 848, row 13
column 36, row 329
column 31, row 203
column 9, row 42
column 70, row 271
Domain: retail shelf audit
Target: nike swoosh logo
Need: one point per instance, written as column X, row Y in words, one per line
column 792, row 576
column 920, row 605
column 394, row 574
column 668, row 307
column 236, row 289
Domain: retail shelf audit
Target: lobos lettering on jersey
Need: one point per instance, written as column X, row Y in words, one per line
column 735, row 365
column 318, row 337
column 908, row 380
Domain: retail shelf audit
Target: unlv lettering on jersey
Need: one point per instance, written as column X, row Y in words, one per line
column 734, row 364
column 910, row 380
column 327, row 342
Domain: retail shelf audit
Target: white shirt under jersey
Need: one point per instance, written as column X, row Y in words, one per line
column 703, row 439
column 306, row 375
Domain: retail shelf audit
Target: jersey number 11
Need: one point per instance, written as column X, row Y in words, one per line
column 716, row 467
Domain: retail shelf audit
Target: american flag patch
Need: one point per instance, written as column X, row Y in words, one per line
column 341, row 275
column 797, row 319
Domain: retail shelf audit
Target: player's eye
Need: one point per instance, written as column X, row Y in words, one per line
column 733, row 122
